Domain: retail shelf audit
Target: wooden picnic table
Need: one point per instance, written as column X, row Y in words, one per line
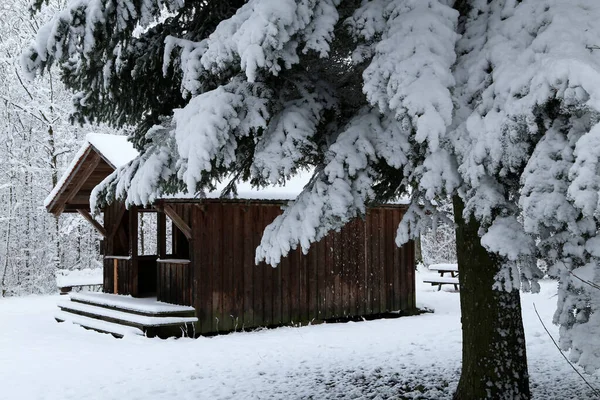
column 452, row 269
column 442, row 269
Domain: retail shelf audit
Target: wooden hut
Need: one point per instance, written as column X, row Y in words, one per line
column 209, row 270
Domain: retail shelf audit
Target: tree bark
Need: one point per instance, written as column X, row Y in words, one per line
column 494, row 358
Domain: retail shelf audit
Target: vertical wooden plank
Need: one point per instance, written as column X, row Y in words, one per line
column 204, row 302
column 176, row 271
column 238, row 266
column 115, row 276
column 217, row 245
column 313, row 285
column 302, row 262
column 286, row 275
column 186, row 289
column 339, row 272
column 248, row 266
column 123, row 277
column 185, row 283
column 258, row 282
column 178, row 283
column 410, row 267
column 160, row 292
column 368, row 263
column 158, row 281
column 268, row 273
column 166, row 283
column 170, row 283
column 351, row 258
column 279, row 295
column 226, row 266
column 133, row 252
column 293, row 290
column 174, row 283
column 278, row 275
column 403, row 277
column 397, row 269
column 375, row 263
column 194, row 268
column 322, row 279
column 328, row 309
column 382, row 263
column 388, row 256
column 346, row 270
column 361, row 265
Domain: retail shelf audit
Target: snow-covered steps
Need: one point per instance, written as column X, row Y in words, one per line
column 124, row 314
column 143, row 306
column 97, row 324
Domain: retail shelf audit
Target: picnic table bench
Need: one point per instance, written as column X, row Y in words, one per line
column 67, row 280
column 442, row 269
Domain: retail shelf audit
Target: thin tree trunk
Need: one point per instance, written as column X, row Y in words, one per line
column 8, row 233
column 494, row 364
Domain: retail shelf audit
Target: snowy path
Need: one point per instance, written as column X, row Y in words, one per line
column 399, row 358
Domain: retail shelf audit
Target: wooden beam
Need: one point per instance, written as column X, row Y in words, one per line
column 85, row 214
column 117, row 221
column 177, row 220
column 86, row 172
column 56, row 206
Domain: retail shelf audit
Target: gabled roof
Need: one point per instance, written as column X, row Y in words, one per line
column 99, row 156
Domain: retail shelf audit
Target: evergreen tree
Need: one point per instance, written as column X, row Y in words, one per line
column 491, row 103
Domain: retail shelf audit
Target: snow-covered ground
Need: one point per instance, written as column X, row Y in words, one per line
column 410, row 357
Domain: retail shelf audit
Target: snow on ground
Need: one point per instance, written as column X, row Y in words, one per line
column 409, row 357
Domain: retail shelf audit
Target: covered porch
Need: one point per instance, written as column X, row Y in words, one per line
column 130, row 270
column 128, row 267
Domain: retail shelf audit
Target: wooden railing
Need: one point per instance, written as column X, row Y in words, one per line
column 118, row 274
column 174, row 281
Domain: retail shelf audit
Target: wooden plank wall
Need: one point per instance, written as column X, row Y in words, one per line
column 336, row 279
column 126, row 278
column 125, row 273
column 174, row 282
column 108, row 275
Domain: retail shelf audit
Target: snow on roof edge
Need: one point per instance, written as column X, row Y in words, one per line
column 116, row 149
column 104, row 144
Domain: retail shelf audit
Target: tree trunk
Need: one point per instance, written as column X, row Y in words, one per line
column 494, row 358
column 418, row 252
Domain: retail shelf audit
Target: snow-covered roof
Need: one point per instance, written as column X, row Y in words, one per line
column 116, row 150
column 245, row 191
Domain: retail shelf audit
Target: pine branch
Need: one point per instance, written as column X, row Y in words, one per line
column 592, row 284
column 594, row 390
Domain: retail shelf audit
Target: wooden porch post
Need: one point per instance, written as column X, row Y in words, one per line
column 133, row 250
column 161, row 232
